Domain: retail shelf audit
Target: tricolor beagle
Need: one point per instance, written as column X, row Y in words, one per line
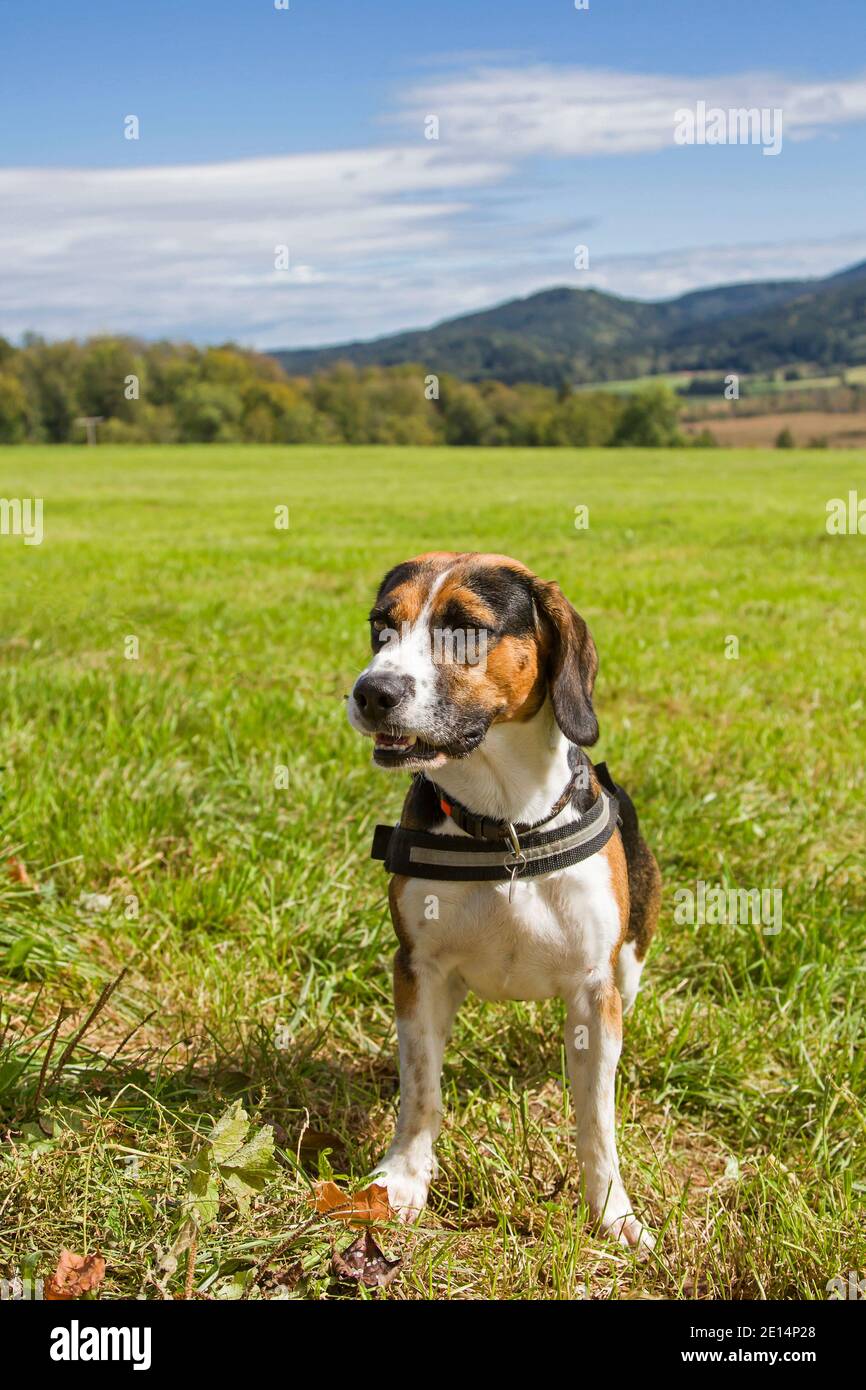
column 518, row 868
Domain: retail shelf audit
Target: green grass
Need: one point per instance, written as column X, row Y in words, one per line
column 258, row 964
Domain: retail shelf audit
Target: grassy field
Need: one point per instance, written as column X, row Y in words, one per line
column 835, row 429
column 258, row 962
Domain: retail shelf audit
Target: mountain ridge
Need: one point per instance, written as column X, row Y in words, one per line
column 563, row 335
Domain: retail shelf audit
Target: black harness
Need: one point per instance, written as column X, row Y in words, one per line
column 499, row 851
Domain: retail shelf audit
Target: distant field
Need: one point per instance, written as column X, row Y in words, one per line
column 733, row 427
column 759, row 386
column 749, row 385
column 839, row 429
column 259, row 959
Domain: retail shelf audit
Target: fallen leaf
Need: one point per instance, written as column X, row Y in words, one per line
column 253, row 1163
column 18, row 871
column 229, row 1132
column 364, row 1263
column 371, row 1204
column 246, row 1165
column 284, row 1278
column 314, row 1140
column 74, row 1276
column 202, row 1198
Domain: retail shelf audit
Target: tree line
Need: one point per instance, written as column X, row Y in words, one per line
column 170, row 393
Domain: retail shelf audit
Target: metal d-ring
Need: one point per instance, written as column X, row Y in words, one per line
column 518, row 858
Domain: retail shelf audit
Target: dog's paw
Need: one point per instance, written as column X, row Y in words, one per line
column 407, row 1187
column 615, row 1217
column 632, row 1233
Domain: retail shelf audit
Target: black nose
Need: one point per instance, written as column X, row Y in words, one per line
column 377, row 695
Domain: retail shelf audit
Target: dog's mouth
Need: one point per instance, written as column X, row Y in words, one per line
column 408, row 750
column 399, row 750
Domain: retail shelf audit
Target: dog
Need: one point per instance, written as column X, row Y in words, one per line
column 481, row 686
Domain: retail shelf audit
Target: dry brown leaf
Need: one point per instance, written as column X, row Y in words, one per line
column 75, row 1275
column 359, row 1209
column 314, row 1140
column 18, row 871
column 364, row 1263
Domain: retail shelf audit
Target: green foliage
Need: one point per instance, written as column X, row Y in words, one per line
column 649, row 419
column 208, row 412
column 467, row 419
column 585, row 419
column 230, row 1159
column 49, row 373
column 107, row 364
column 13, row 409
column 160, row 393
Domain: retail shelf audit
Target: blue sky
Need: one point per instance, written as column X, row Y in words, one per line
column 262, row 128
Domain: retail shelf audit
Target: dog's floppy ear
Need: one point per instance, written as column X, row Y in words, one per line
column 572, row 662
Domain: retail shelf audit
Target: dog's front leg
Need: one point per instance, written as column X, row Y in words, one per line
column 593, row 1041
column 426, row 1002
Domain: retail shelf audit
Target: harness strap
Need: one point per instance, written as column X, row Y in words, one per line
column 421, row 854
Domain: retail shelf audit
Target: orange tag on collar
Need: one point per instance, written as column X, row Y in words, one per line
column 445, row 807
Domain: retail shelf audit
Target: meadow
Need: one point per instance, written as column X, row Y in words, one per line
column 182, row 800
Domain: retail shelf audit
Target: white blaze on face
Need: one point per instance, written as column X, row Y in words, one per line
column 409, row 652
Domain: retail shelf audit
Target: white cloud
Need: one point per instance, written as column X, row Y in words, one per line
column 672, row 273
column 381, row 238
column 192, row 248
column 570, row 111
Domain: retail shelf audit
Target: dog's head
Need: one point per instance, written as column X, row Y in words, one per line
column 464, row 641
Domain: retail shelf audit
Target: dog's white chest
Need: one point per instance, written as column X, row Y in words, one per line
column 543, row 943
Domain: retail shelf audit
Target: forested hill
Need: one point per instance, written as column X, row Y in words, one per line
column 568, row 335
